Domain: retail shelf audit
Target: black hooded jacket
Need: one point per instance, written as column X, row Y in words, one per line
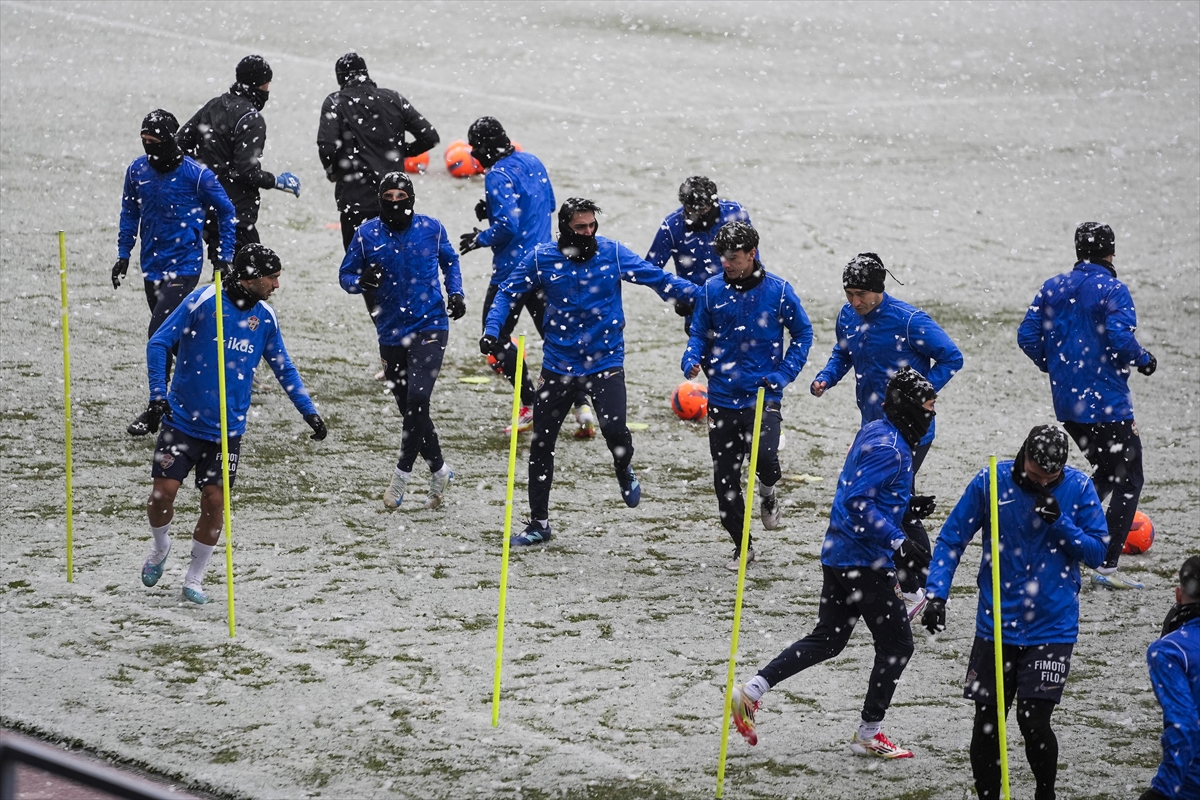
column 227, row 136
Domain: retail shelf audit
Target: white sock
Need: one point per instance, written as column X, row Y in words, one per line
column 867, row 730
column 162, row 538
column 545, row 523
column 201, row 553
column 766, row 491
column 444, row 471
column 755, row 688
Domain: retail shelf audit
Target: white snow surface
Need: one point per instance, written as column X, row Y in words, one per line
column 961, row 141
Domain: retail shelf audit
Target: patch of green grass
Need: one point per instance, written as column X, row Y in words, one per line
column 226, row 756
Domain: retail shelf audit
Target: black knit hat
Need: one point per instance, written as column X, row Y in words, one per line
column 1094, row 241
column 350, row 66
column 161, row 124
column 254, row 71
column 909, row 387
column 254, row 261
column 865, row 271
column 1048, row 447
column 735, row 236
column 1189, row 577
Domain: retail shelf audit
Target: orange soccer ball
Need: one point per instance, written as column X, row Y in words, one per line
column 1141, row 535
column 690, row 400
column 460, row 162
column 417, row 163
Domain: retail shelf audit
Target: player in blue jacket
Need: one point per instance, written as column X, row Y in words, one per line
column 687, row 235
column 584, row 350
column 858, row 572
column 165, row 198
column 877, row 335
column 1174, row 662
column 737, row 339
column 1050, row 521
column 190, row 413
column 1080, row 329
column 397, row 255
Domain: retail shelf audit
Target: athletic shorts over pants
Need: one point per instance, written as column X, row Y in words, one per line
column 410, row 370
column 730, row 436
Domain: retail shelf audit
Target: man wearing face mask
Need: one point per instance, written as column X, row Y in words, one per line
column 190, row 412
column 878, row 335
column 859, row 576
column 1050, row 521
column 584, row 349
column 227, row 135
column 687, row 235
column 737, row 339
column 398, row 256
column 164, row 201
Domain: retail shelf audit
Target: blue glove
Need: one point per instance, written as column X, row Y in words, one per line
column 287, row 182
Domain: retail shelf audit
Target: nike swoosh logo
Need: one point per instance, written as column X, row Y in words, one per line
column 1005, row 502
column 722, row 305
column 377, row 248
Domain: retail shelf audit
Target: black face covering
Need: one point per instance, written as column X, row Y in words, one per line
column 398, row 214
column 907, row 393
column 254, row 94
column 750, row 281
column 701, row 222
column 242, row 297
column 164, row 155
column 578, row 247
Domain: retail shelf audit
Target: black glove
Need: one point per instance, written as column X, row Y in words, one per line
column 318, row 425
column 922, row 505
column 469, row 241
column 481, row 210
column 1148, row 368
column 371, row 278
column 913, row 558
column 223, row 268
column 487, row 344
column 684, row 307
column 1046, row 507
column 120, row 269
column 934, row 615
column 456, row 306
column 1152, row 794
column 155, row 411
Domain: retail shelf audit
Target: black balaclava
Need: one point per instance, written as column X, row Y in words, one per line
column 740, row 236
column 1189, row 581
column 904, row 404
column 397, row 215
column 866, row 272
column 1048, row 447
column 576, row 246
column 164, row 155
column 1094, row 241
column 253, row 261
column 253, row 72
column 350, row 69
column 698, row 192
column 489, row 143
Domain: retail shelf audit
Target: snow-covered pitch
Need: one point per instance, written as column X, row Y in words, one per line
column 961, row 142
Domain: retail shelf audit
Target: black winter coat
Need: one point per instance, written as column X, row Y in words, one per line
column 227, row 136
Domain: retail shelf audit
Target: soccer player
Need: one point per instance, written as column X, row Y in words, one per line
column 687, row 235
column 398, row 255
column 1050, row 520
column 581, row 276
column 164, row 200
column 877, row 336
column 227, row 135
column 190, row 413
column 1080, row 330
column 1174, row 662
column 859, row 576
column 737, row 339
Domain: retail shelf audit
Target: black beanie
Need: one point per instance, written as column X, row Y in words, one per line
column 1094, row 241
column 489, row 141
column 254, row 71
column 1048, row 447
column 161, row 124
column 350, row 66
column 866, row 272
column 254, row 261
column 904, row 404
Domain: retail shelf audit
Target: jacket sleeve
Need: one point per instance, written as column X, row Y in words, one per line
column 448, row 261
column 329, row 138
column 928, row 339
column 839, row 360
column 799, row 330
column 503, row 210
column 699, row 334
column 1031, row 336
column 189, row 137
column 968, row 516
column 164, row 341
column 1181, row 718
column 661, row 247
column 635, row 270
column 521, row 280
column 877, row 467
column 248, row 139
column 1120, row 322
column 1083, row 535
column 286, row 372
column 212, row 194
column 353, row 264
column 131, row 215
column 425, row 137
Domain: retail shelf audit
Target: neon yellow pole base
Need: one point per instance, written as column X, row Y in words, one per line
column 228, row 515
column 997, row 633
column 741, row 583
column 66, row 345
column 508, row 512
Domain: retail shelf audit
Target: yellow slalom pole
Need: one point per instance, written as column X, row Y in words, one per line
column 66, row 345
column 225, row 488
column 741, row 583
column 996, row 628
column 508, row 511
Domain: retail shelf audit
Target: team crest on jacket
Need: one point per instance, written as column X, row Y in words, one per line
column 252, row 323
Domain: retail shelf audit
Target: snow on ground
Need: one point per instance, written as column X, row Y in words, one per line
column 962, row 142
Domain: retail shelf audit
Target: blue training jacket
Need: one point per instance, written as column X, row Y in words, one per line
column 737, row 336
column 872, row 493
column 1175, row 675
column 169, row 210
column 894, row 335
column 195, row 393
column 1039, row 564
column 695, row 257
column 520, row 203
column 409, row 297
column 1080, row 329
column 585, row 319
